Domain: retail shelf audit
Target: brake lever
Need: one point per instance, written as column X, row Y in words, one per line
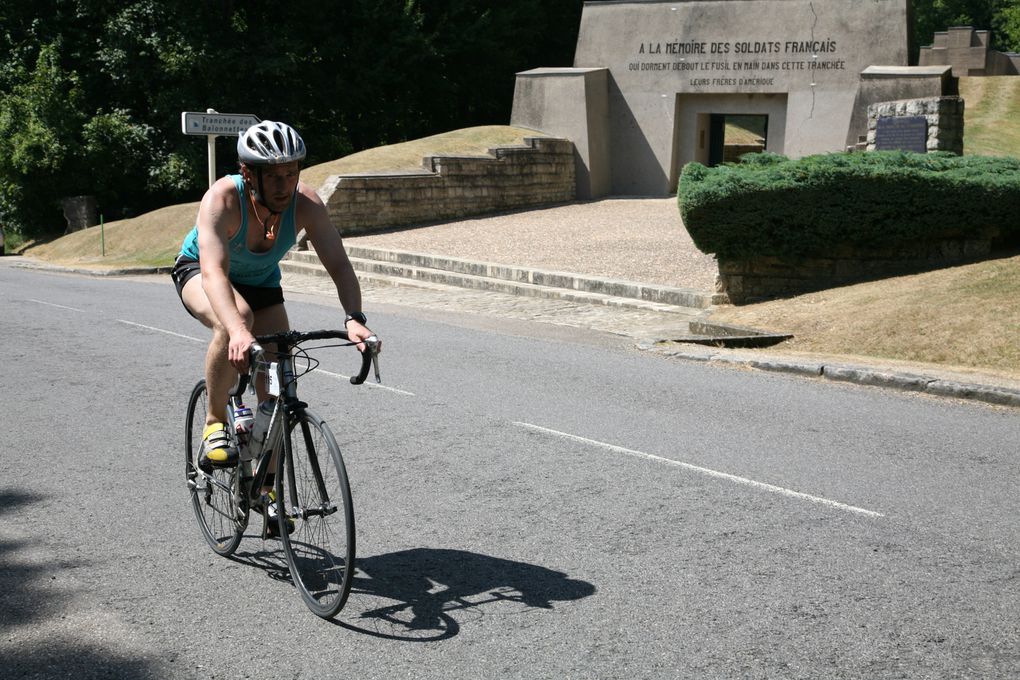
column 372, row 345
column 370, row 355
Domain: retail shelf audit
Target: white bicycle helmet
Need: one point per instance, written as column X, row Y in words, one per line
column 270, row 143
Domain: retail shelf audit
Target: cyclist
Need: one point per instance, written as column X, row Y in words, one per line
column 227, row 273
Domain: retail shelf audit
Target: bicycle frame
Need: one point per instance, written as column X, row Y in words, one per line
column 248, row 492
column 282, row 384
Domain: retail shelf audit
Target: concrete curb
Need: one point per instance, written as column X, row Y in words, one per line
column 871, row 376
column 120, row 271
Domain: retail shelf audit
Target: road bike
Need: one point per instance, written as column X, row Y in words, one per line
column 292, row 451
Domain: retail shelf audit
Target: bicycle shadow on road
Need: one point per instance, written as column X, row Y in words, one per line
column 430, row 591
column 268, row 557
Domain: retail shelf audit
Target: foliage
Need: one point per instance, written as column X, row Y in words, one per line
column 91, row 91
column 769, row 205
column 1007, row 28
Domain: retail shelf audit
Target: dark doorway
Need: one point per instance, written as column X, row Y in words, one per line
column 730, row 136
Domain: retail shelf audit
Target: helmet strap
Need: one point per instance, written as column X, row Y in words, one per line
column 268, row 232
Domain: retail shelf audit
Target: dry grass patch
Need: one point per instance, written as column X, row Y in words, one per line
column 407, row 156
column 152, row 239
column 966, row 316
column 990, row 127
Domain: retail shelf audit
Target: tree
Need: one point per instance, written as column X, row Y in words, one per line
column 1007, row 28
column 91, row 91
column 39, row 120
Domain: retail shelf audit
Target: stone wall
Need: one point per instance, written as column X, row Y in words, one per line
column 571, row 103
column 967, row 51
column 944, row 116
column 761, row 278
column 80, row 212
column 541, row 172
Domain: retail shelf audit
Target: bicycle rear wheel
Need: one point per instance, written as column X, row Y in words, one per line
column 212, row 494
column 313, row 492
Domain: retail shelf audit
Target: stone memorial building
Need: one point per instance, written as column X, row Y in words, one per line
column 654, row 82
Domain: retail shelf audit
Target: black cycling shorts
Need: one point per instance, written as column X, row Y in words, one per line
column 257, row 297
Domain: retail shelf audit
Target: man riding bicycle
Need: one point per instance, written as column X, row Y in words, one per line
column 227, row 273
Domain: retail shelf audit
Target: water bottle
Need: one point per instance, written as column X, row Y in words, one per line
column 244, row 419
column 261, row 427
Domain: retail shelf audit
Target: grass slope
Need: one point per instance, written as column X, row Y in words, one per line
column 149, row 240
column 992, row 115
column 407, row 157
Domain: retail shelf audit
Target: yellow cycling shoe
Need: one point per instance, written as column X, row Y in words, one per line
column 218, row 450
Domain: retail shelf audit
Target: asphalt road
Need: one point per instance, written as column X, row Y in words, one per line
column 531, row 502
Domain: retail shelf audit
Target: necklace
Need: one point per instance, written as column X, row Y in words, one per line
column 268, row 232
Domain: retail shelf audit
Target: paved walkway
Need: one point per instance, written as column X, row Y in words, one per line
column 635, row 239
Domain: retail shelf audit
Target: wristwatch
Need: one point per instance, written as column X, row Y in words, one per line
column 357, row 316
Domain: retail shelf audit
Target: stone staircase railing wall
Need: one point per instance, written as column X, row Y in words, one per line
column 540, row 172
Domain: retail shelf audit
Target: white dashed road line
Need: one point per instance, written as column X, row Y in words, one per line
column 52, row 304
column 367, row 383
column 705, row 471
column 161, row 330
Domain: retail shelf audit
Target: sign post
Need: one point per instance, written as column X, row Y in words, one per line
column 212, row 125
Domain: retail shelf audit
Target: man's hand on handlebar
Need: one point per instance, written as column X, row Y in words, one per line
column 357, row 333
column 241, row 341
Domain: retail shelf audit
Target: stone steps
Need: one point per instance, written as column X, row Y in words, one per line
column 396, row 267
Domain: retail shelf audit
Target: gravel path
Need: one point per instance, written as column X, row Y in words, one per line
column 636, row 239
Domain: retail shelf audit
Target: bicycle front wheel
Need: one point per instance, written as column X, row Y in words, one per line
column 315, row 505
column 212, row 494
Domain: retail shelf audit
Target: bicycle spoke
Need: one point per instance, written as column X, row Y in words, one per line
column 320, row 549
column 211, row 493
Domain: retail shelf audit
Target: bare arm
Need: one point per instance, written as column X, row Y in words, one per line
column 330, row 248
column 219, row 214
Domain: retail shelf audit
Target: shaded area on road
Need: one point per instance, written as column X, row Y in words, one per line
column 35, row 602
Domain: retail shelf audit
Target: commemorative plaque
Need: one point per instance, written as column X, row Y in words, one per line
column 902, row 133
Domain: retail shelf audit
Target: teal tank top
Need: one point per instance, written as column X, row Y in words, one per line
column 246, row 267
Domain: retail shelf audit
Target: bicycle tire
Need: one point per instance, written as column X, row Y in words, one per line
column 212, row 500
column 320, row 549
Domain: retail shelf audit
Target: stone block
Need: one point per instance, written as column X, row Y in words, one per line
column 733, row 285
column 732, row 266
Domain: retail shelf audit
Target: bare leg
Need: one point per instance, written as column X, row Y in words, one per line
column 220, row 376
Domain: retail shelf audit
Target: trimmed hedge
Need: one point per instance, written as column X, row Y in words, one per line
column 770, row 205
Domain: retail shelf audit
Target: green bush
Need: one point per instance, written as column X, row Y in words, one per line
column 770, row 205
